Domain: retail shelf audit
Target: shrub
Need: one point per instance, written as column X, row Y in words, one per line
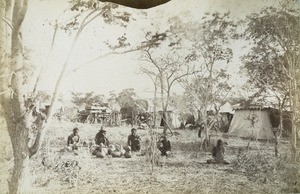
column 263, row 167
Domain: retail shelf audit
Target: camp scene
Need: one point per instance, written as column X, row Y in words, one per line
column 149, row 96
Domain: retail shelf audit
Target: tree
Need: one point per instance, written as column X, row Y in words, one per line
column 210, row 49
column 112, row 101
column 12, row 101
column 126, row 102
column 17, row 113
column 165, row 63
column 274, row 57
column 166, row 71
column 266, row 61
column 126, row 97
column 80, row 99
column 154, row 79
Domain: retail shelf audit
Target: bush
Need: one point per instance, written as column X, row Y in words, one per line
column 262, row 167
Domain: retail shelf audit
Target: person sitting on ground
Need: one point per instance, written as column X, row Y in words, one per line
column 73, row 140
column 218, row 153
column 101, row 138
column 164, row 146
column 134, row 141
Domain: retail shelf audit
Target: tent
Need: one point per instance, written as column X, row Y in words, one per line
column 226, row 108
column 226, row 114
column 253, row 121
column 171, row 118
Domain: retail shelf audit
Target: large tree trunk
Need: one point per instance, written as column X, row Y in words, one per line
column 12, row 100
column 17, row 183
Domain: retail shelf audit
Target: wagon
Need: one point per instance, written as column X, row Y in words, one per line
column 94, row 113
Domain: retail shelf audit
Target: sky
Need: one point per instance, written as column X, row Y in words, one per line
column 114, row 72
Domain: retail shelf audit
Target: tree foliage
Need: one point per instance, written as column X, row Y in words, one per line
column 211, row 49
column 88, row 98
column 273, row 61
column 126, row 97
column 275, row 37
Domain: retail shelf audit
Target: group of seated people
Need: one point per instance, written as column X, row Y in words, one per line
column 103, row 145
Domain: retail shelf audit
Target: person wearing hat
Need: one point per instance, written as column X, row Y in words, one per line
column 134, row 141
column 73, row 140
column 101, row 138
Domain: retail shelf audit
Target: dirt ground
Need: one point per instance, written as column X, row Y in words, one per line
column 186, row 171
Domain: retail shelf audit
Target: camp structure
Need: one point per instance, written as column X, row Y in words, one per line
column 226, row 113
column 252, row 122
column 170, row 117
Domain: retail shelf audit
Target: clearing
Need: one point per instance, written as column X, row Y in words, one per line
column 254, row 171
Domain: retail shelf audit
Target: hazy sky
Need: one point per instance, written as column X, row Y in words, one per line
column 115, row 72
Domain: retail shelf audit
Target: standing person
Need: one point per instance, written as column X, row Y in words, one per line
column 73, row 140
column 134, row 141
column 101, row 138
column 218, row 153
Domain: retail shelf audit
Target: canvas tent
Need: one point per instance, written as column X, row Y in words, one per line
column 226, row 108
column 253, row 121
column 171, row 118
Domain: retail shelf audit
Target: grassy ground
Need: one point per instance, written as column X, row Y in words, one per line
column 252, row 171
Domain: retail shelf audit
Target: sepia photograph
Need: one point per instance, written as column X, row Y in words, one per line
column 149, row 96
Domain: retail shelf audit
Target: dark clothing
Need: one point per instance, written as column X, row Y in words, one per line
column 164, row 146
column 100, row 138
column 134, row 141
column 218, row 156
column 218, row 153
column 73, row 140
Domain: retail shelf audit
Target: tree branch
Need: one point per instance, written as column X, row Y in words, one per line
column 4, row 19
column 47, row 60
column 20, row 9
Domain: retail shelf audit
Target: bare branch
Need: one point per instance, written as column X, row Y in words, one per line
column 7, row 22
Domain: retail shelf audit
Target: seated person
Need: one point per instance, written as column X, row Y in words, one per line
column 73, row 140
column 101, row 138
column 218, row 153
column 164, row 146
column 134, row 141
